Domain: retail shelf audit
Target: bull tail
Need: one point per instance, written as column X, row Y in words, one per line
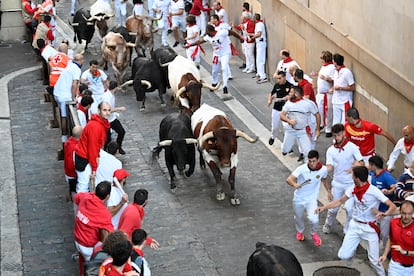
column 155, row 152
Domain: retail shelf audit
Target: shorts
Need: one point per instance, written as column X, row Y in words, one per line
column 179, row 23
column 62, row 105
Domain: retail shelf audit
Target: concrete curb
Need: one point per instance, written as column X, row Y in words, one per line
column 11, row 255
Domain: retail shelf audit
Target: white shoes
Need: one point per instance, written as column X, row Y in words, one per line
column 245, row 70
column 250, row 71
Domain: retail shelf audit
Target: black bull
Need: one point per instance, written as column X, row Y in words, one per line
column 176, row 138
column 270, row 260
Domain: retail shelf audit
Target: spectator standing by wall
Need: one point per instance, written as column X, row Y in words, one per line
column 261, row 44
column 404, row 146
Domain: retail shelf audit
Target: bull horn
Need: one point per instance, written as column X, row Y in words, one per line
column 147, row 83
column 205, row 137
column 249, row 139
column 129, row 44
column 127, row 83
column 206, row 85
column 159, row 18
column 164, row 64
column 107, row 16
column 190, row 141
column 90, row 23
column 132, row 33
column 165, row 143
column 92, row 18
column 181, row 90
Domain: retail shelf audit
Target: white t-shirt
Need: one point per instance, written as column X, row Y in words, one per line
column 107, row 165
column 82, row 118
column 260, row 27
column 220, row 43
column 301, row 111
column 191, row 31
column 343, row 78
column 312, row 181
column 48, row 52
column 138, row 9
column 110, row 98
column 327, row 71
column 95, row 84
column 284, row 66
column 222, row 15
column 342, row 160
column 63, row 86
column 115, row 198
column 371, row 199
column 400, row 148
column 176, row 7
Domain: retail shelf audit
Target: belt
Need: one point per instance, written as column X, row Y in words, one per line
column 404, row 265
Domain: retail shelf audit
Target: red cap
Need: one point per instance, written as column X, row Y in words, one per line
column 121, row 174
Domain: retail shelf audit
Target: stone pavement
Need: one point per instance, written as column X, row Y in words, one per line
column 198, row 235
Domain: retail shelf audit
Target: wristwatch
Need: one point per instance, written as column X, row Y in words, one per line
column 406, row 252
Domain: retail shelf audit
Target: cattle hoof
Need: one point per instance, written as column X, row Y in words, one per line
column 163, row 105
column 173, row 190
column 142, row 109
column 220, row 196
column 235, row 201
column 188, row 174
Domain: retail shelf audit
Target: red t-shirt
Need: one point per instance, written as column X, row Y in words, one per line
column 131, row 219
column 91, row 216
column 108, row 269
column 307, row 89
column 68, row 162
column 363, row 137
column 403, row 236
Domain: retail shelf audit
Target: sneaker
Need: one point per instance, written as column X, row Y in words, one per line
column 121, row 151
column 271, row 141
column 316, row 239
column 256, row 77
column 326, row 229
column 262, row 80
column 250, row 71
column 169, row 31
column 176, row 44
column 243, row 66
column 301, row 157
column 214, row 85
column 284, row 153
column 300, row 236
column 244, row 70
column 230, row 78
column 225, row 91
column 328, row 134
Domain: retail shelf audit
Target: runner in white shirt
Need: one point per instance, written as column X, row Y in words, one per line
column 220, row 11
column 193, row 36
column 363, row 225
column 306, row 179
column 108, row 164
column 340, row 158
column 404, row 146
column 97, row 81
column 284, row 64
column 324, row 97
column 162, row 7
column 343, row 90
column 177, row 15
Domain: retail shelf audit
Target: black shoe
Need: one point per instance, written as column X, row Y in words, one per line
column 121, row 151
column 271, row 141
column 169, row 31
column 214, row 85
column 230, row 78
column 328, row 134
column 225, row 90
column 243, row 66
column 176, row 43
column 284, row 153
column 301, row 157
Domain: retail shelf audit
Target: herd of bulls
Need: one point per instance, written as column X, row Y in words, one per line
column 197, row 125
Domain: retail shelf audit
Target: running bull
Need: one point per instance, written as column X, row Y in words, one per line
column 178, row 143
column 147, row 77
column 116, row 50
column 185, row 81
column 217, row 143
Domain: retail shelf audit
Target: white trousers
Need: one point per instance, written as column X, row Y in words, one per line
column 85, row 251
column 301, row 137
column 326, row 119
column 120, row 13
column 248, row 50
column 338, row 190
column 73, row 6
column 223, row 61
column 201, row 23
column 357, row 232
column 261, row 59
column 396, row 269
column 300, row 206
column 339, row 113
column 83, row 179
column 163, row 25
column 275, row 122
column 190, row 51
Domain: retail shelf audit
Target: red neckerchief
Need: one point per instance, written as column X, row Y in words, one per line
column 357, row 123
column 139, row 251
column 327, row 63
column 360, row 191
column 408, row 145
column 81, row 108
column 295, row 100
column 318, row 167
column 288, row 59
column 342, row 145
column 96, row 74
column 259, row 21
column 192, row 24
column 218, row 23
column 381, row 172
column 340, row 67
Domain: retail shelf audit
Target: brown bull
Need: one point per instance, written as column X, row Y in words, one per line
column 217, row 143
column 142, row 28
column 115, row 50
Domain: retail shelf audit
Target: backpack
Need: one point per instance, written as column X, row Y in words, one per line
column 188, row 5
column 91, row 268
column 137, row 262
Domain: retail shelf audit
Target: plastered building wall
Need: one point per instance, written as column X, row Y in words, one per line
column 12, row 26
